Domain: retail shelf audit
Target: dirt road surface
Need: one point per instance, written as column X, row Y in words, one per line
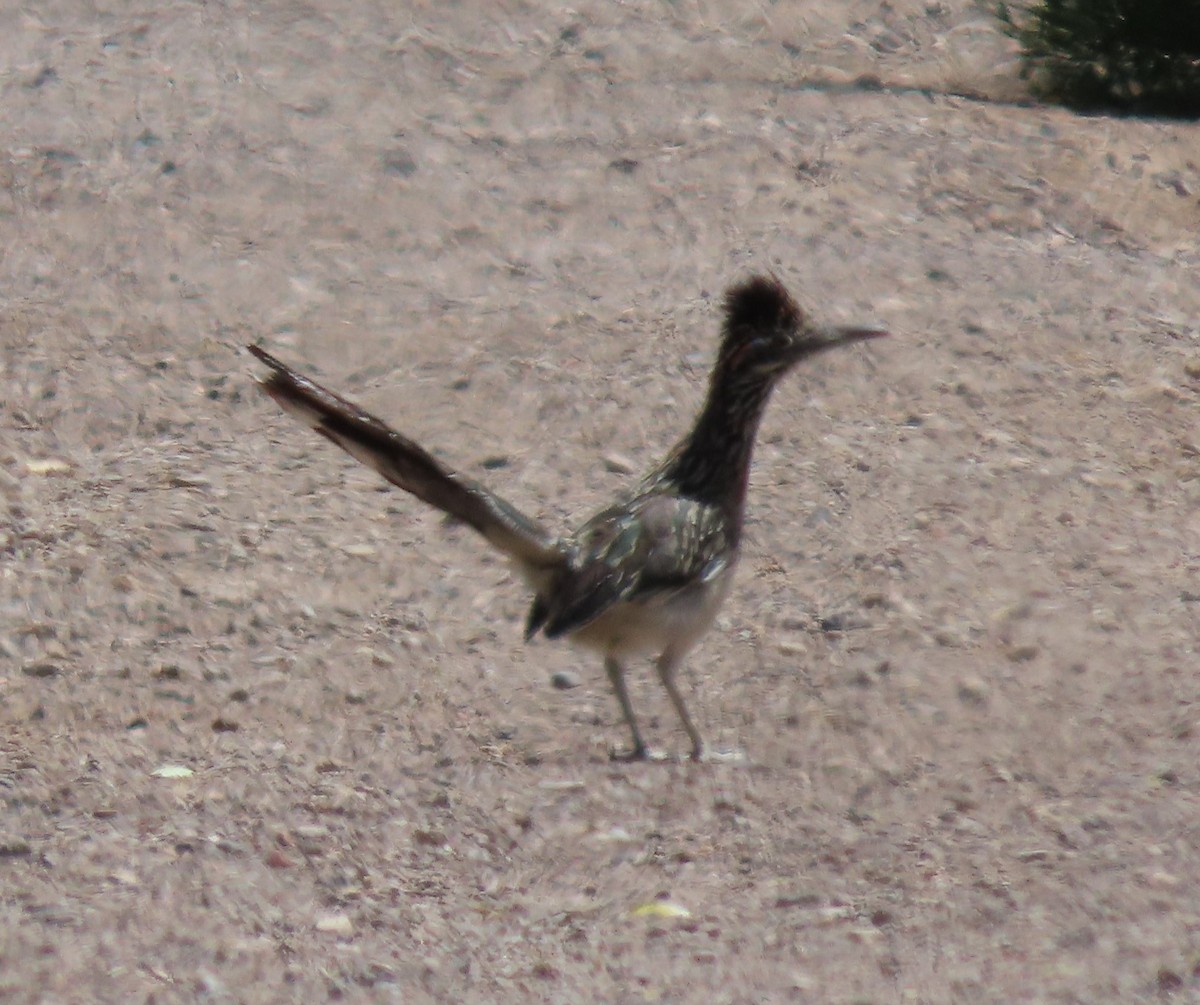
column 961, row 655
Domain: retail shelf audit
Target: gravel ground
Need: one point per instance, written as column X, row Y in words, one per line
column 961, row 652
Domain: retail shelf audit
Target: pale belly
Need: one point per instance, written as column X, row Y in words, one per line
column 670, row 621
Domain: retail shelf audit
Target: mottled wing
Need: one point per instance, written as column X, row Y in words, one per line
column 654, row 545
column 406, row 464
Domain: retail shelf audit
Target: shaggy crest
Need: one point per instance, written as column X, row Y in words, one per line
column 760, row 303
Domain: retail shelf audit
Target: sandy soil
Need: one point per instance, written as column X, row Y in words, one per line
column 962, row 652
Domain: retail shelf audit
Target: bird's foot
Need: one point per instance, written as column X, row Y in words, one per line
column 728, row 755
column 639, row 753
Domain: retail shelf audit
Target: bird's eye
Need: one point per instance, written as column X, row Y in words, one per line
column 770, row 345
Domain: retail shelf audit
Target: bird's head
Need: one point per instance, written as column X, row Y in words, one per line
column 766, row 333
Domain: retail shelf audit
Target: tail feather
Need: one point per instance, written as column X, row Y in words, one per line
column 408, row 465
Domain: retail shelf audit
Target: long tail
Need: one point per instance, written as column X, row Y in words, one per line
column 404, row 463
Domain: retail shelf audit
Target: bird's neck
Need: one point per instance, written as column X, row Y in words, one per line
column 712, row 463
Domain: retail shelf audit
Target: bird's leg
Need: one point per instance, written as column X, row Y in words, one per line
column 667, row 664
column 616, row 677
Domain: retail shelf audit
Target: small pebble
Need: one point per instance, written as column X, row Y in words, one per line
column 1022, row 654
column 972, row 691
column 337, row 924
column 14, row 847
column 564, row 680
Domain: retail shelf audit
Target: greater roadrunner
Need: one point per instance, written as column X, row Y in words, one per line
column 648, row 573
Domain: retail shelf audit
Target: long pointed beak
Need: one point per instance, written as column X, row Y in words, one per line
column 841, row 334
column 818, row 339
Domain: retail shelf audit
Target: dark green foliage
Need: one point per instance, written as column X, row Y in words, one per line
column 1139, row 56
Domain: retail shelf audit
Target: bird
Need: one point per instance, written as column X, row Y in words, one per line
column 648, row 573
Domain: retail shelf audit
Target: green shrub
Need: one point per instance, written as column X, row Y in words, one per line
column 1138, row 56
